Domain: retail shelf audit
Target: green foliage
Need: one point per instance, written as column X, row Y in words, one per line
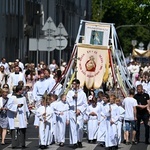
column 125, row 12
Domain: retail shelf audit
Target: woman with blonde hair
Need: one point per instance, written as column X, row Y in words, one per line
column 3, row 114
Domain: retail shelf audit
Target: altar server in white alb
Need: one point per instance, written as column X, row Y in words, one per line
column 101, row 135
column 93, row 112
column 17, row 118
column 62, row 118
column 58, row 88
column 44, row 113
column 39, row 89
column 77, row 101
column 53, row 104
column 50, row 81
column 120, row 120
column 111, row 140
column 15, row 77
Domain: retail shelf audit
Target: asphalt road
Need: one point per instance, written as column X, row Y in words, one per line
column 32, row 142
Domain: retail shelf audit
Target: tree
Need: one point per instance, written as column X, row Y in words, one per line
column 125, row 12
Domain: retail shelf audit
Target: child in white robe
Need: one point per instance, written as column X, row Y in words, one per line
column 53, row 104
column 120, row 121
column 62, row 118
column 102, row 124
column 111, row 124
column 44, row 113
column 93, row 113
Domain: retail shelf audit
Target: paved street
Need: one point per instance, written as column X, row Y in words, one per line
column 32, row 142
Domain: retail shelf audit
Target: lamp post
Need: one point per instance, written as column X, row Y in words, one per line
column 134, row 43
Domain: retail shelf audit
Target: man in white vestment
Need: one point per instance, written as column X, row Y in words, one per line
column 39, row 88
column 50, row 81
column 77, row 101
column 15, row 77
column 17, row 117
column 58, row 88
column 20, row 64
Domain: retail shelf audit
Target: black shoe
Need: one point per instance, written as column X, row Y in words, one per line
column 124, row 141
column 137, row 141
column 13, row 147
column 75, row 146
column 102, row 144
column 147, row 142
column 94, row 141
column 52, row 143
column 61, row 144
column 43, row 147
column 127, row 143
column 80, row 144
column 89, row 141
column 23, row 147
column 113, row 148
column 133, row 142
column 116, row 146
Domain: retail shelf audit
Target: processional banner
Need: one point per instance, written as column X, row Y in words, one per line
column 97, row 34
column 92, row 65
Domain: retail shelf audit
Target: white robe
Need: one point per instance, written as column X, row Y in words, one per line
column 50, row 82
column 119, row 125
column 44, row 127
column 39, row 89
column 61, row 120
column 76, row 123
column 101, row 133
column 58, row 89
column 17, row 117
column 111, row 132
column 2, row 79
column 54, row 123
column 15, row 78
column 93, row 121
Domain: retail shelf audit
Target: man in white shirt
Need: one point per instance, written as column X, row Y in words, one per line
column 130, row 118
column 6, row 67
column 53, row 65
column 50, row 81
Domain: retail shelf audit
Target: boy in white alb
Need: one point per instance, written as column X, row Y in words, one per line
column 62, row 118
column 93, row 113
column 130, row 104
column 121, row 117
column 53, row 104
column 113, row 114
column 101, row 135
column 44, row 113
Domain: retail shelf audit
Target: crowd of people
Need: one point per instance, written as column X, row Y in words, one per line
column 29, row 89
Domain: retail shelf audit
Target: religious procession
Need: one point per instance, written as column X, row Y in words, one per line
column 95, row 93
